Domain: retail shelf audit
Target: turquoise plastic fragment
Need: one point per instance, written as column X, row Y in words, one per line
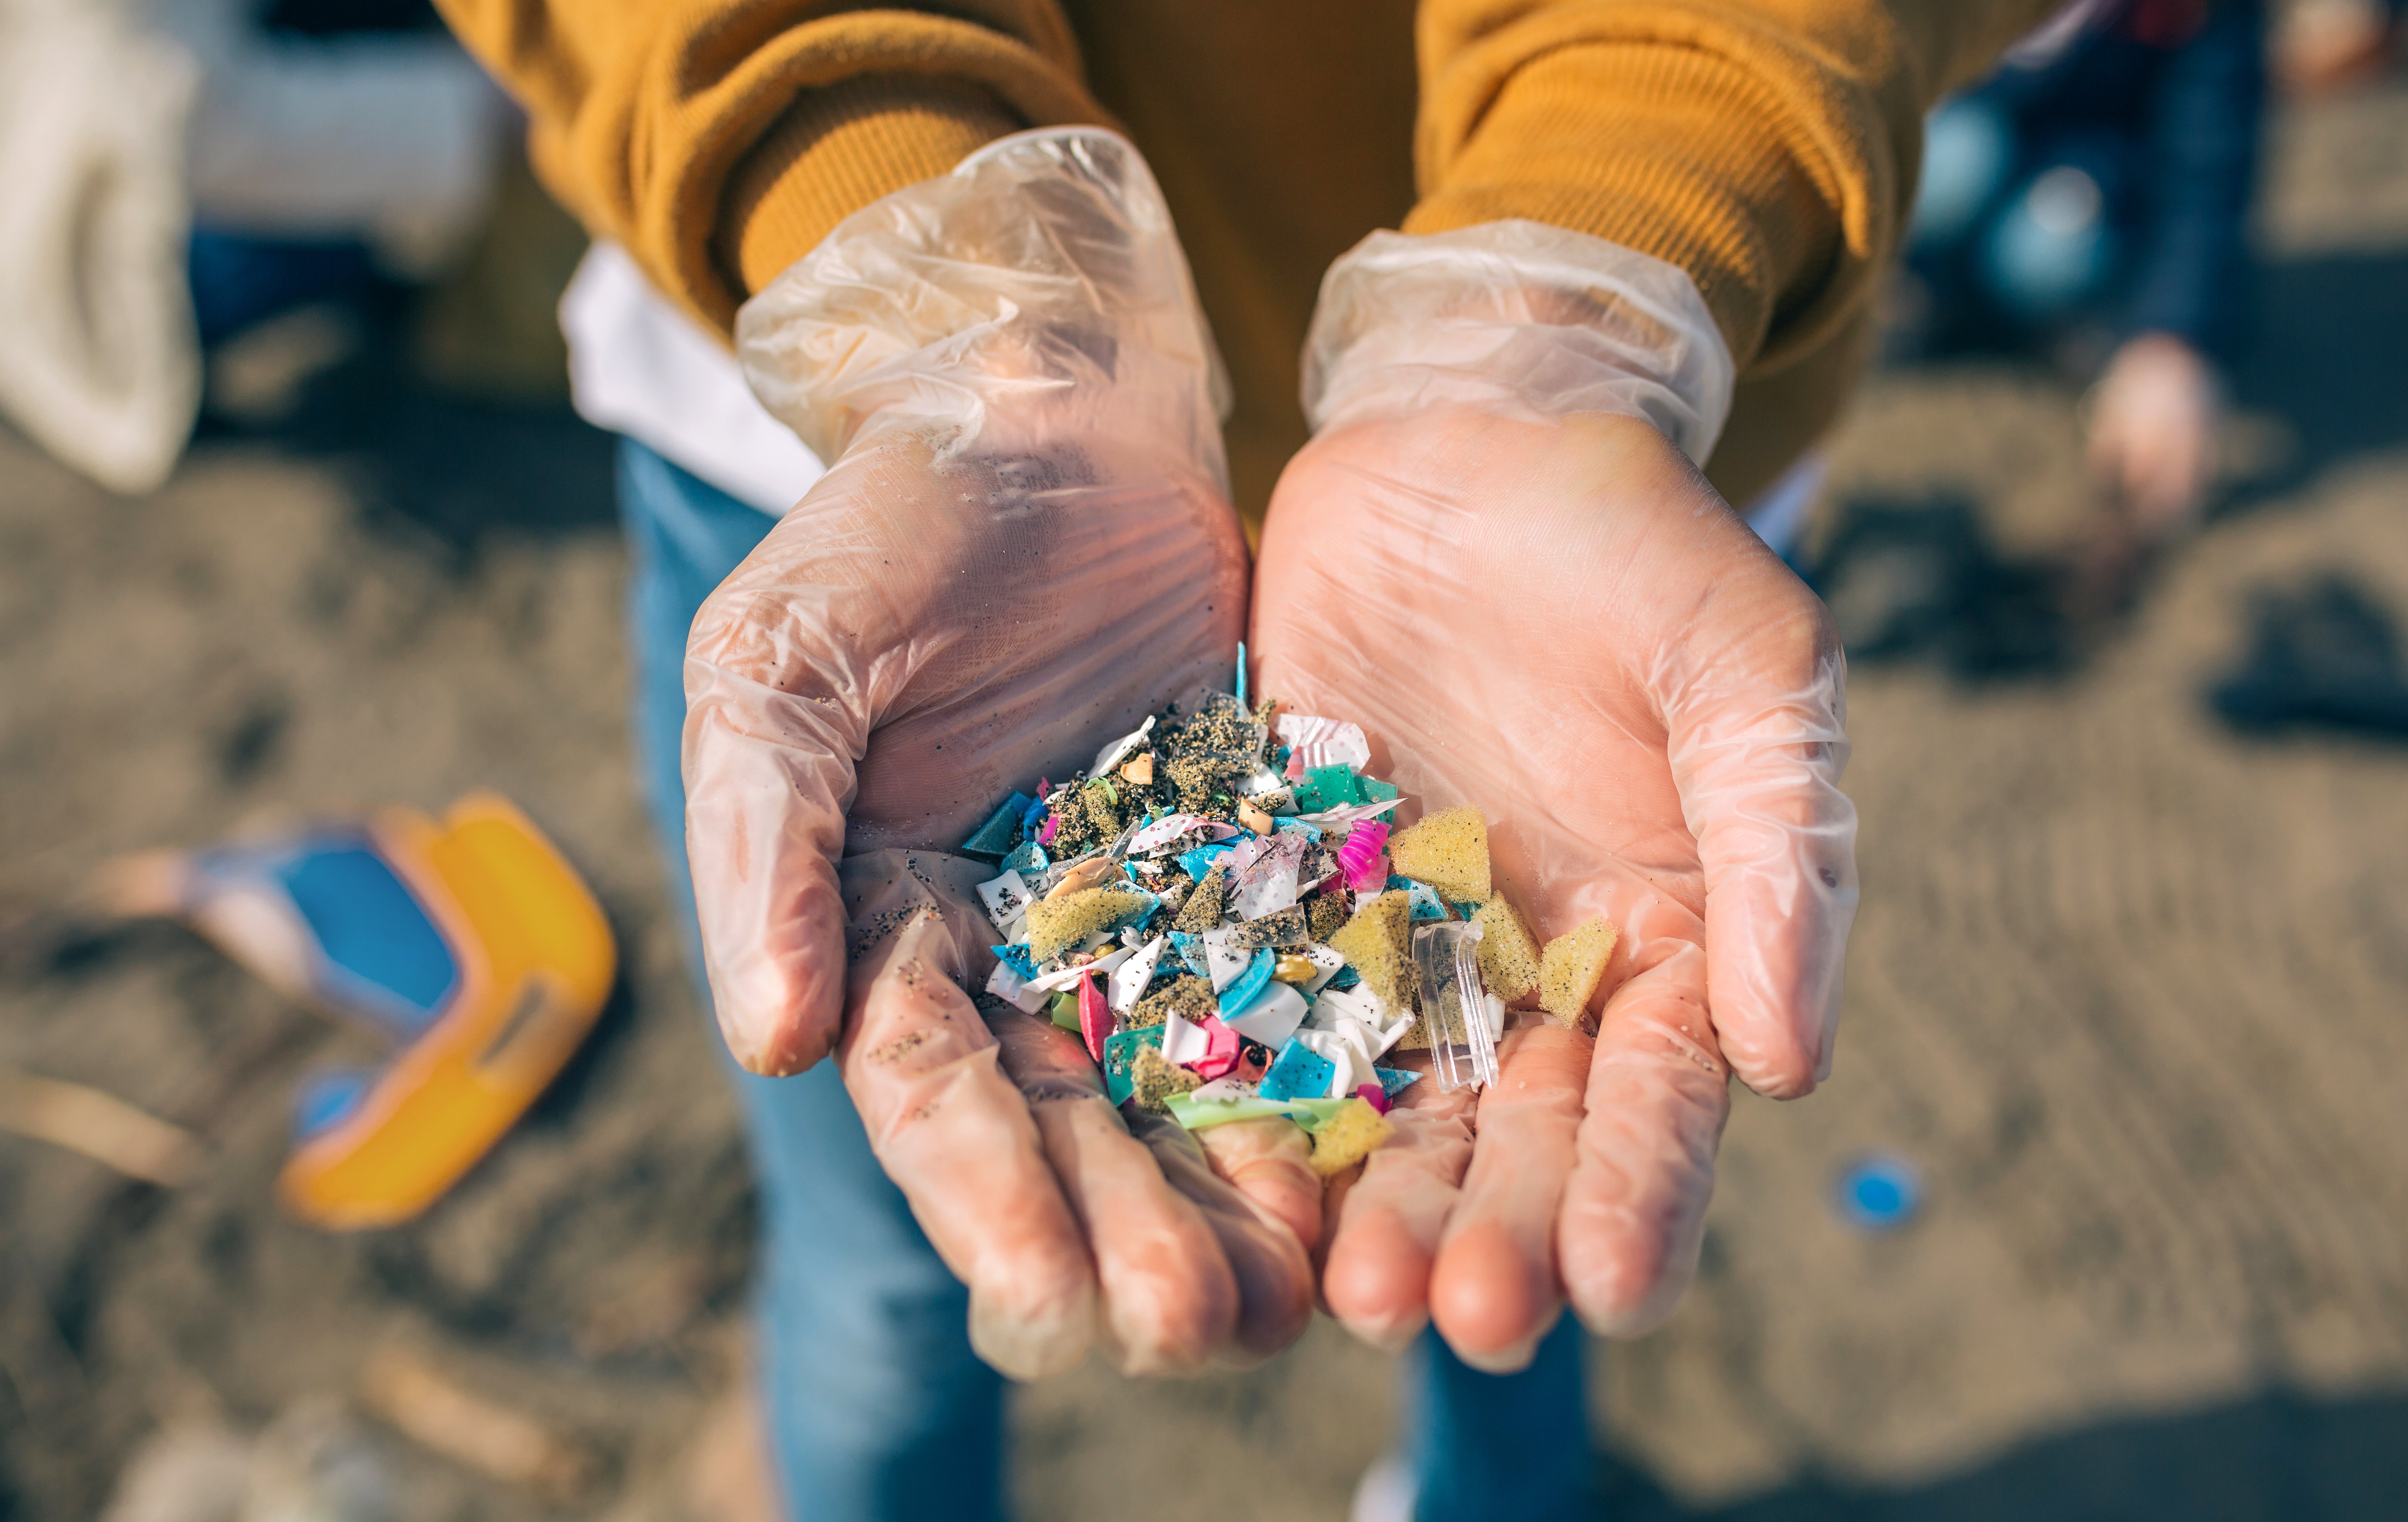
column 1396, row 1080
column 1327, row 787
column 1001, row 830
column 1190, row 952
column 1242, row 673
column 1016, row 959
column 1120, row 1058
column 1424, row 902
column 1373, row 790
column 1347, row 978
column 1301, row 1073
column 1249, row 984
column 1199, row 861
column 1028, row 856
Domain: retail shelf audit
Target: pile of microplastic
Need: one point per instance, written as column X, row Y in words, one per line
column 1219, row 907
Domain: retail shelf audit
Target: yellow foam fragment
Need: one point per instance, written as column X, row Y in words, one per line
column 1347, row 1137
column 1508, row 955
column 1057, row 925
column 1154, row 1077
column 1571, row 967
column 1378, row 942
column 1447, row 850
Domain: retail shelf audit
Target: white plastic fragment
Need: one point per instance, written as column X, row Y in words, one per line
column 1130, row 977
column 1270, row 1019
column 1109, row 757
column 1006, row 899
column 1067, row 977
column 1014, row 990
column 1183, row 1042
column 1324, row 743
column 1347, row 813
column 1326, row 964
column 1224, row 961
column 1269, row 885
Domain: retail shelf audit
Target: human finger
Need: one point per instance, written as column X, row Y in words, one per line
column 1271, row 1163
column 1384, row 1224
column 1494, row 1289
column 1169, row 1297
column 952, row 1130
column 1634, row 1209
column 1274, row 1274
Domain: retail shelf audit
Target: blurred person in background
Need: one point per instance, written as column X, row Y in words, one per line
column 2092, row 195
column 180, row 173
column 970, row 336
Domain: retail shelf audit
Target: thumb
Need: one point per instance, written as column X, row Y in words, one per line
column 772, row 731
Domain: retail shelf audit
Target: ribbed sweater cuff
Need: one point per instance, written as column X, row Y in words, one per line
column 1667, row 149
column 837, row 149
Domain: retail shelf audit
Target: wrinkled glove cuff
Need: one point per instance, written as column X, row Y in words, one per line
column 1043, row 272
column 1522, row 318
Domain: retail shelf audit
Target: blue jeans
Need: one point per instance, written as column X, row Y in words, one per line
column 877, row 1408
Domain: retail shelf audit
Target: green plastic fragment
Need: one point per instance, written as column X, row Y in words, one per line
column 1203, row 1115
column 1065, row 1008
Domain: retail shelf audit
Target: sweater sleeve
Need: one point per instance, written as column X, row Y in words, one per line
column 721, row 141
column 1768, row 147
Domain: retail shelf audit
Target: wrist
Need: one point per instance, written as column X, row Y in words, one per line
column 1519, row 319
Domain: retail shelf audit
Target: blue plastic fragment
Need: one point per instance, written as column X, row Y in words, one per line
column 1249, row 985
column 1423, row 900
column 1301, row 1073
column 1346, row 977
column 1242, row 673
column 1878, row 1193
column 1034, row 814
column 1396, row 1080
column 1298, row 827
column 1001, row 830
column 1199, row 861
column 1191, row 951
column 1028, row 857
column 1016, row 959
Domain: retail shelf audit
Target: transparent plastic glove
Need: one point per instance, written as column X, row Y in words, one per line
column 1069, row 1229
column 1495, row 557
column 2153, row 431
column 1021, row 547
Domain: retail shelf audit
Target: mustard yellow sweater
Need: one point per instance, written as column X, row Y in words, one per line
column 1768, row 147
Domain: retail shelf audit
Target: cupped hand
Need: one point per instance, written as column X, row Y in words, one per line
column 1561, row 624
column 1073, row 1224
column 1023, row 548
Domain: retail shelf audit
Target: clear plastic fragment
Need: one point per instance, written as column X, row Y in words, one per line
column 1455, row 1005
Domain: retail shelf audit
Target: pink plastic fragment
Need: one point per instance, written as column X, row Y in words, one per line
column 1043, row 787
column 1094, row 1015
column 1052, row 827
column 1364, row 857
column 1219, row 1048
column 1296, row 766
column 1375, row 1096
